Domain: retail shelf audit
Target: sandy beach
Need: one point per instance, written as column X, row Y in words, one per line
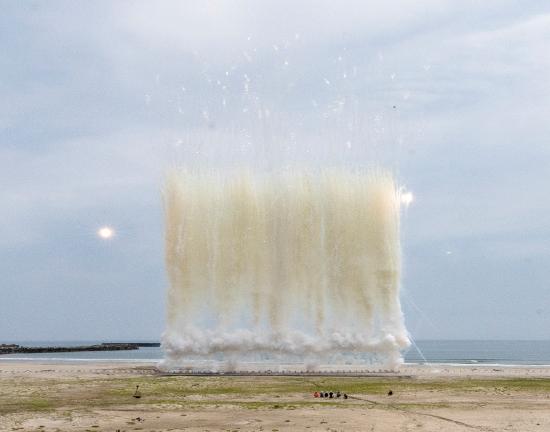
column 98, row 396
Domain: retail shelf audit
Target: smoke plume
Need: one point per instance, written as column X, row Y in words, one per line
column 294, row 267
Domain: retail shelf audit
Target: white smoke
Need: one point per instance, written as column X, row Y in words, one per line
column 295, row 266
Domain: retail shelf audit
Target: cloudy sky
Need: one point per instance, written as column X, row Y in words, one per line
column 99, row 99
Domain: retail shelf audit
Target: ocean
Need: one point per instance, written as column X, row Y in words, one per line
column 498, row 352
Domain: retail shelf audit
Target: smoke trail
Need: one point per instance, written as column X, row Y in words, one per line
column 297, row 266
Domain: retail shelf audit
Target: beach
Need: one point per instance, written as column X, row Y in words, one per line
column 94, row 396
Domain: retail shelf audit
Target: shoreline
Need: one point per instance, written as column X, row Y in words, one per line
column 155, row 361
column 426, row 370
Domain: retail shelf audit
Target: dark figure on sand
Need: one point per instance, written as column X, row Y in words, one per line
column 332, row 395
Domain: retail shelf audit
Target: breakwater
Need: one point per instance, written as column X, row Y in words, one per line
column 18, row 349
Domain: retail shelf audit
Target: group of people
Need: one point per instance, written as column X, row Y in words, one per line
column 330, row 395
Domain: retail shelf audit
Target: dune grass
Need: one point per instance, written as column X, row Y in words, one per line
column 34, row 394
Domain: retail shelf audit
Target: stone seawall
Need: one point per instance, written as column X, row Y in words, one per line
column 17, row 349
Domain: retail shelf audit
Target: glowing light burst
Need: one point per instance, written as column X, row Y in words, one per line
column 106, row 232
column 407, row 198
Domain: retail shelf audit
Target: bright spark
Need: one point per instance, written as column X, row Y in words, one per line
column 407, row 198
column 105, row 232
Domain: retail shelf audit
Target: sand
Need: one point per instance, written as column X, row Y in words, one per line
column 98, row 397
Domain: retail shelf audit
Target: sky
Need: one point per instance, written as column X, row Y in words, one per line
column 100, row 99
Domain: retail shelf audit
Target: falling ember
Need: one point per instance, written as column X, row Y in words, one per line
column 293, row 267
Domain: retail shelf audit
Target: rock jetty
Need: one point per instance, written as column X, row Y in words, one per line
column 17, row 349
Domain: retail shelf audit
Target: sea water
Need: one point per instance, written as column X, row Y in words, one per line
column 468, row 352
